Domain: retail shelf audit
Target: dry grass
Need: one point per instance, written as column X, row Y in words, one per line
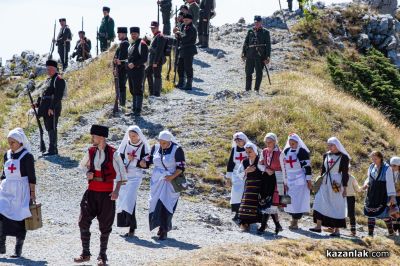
column 291, row 252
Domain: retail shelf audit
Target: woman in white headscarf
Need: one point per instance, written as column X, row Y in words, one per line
column 238, row 154
column 17, row 189
column 252, row 169
column 395, row 164
column 169, row 162
column 297, row 169
column 133, row 150
column 330, row 204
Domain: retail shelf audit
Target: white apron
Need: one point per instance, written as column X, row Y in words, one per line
column 327, row 202
column 237, row 178
column 14, row 190
column 128, row 192
column 297, row 184
column 161, row 189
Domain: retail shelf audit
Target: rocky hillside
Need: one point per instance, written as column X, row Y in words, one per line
column 302, row 99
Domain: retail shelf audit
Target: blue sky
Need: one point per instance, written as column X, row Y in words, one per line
column 28, row 24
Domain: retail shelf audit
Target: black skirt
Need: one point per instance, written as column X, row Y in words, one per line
column 13, row 228
column 328, row 221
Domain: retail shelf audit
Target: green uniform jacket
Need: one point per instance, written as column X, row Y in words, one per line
column 257, row 44
column 194, row 10
column 106, row 30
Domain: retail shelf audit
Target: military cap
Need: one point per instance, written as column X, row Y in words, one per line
column 51, row 62
column 122, row 30
column 134, row 29
column 81, row 32
column 106, row 8
column 188, row 16
column 154, row 24
column 62, row 19
column 257, row 18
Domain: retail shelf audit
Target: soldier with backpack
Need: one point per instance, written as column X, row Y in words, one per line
column 156, row 60
column 50, row 104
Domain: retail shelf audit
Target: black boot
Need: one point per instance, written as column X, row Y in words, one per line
column 181, row 82
column 52, row 143
column 204, row 42
column 18, row 248
column 263, row 226
column 249, row 81
column 258, row 84
column 278, row 226
column 157, row 87
column 138, row 107
column 188, row 85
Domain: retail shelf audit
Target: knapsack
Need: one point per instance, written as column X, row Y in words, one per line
column 65, row 93
column 169, row 44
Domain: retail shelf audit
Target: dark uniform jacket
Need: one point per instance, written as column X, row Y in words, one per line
column 122, row 52
column 187, row 40
column 194, row 10
column 64, row 37
column 136, row 58
column 257, row 44
column 106, row 30
column 165, row 5
column 157, row 49
column 207, row 6
column 87, row 46
column 52, row 95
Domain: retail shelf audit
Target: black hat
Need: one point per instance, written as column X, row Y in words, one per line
column 51, row 62
column 62, row 19
column 189, row 16
column 81, row 32
column 257, row 18
column 181, row 14
column 99, row 130
column 134, row 29
column 154, row 24
column 106, row 8
column 122, row 30
column 184, row 6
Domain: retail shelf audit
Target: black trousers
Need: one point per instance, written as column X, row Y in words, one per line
column 185, row 67
column 351, row 206
column 123, row 76
column 204, row 23
column 154, row 79
column 104, row 44
column 96, row 205
column 50, row 124
column 166, row 16
column 135, row 80
column 251, row 64
column 63, row 53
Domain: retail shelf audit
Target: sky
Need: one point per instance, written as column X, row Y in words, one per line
column 28, row 24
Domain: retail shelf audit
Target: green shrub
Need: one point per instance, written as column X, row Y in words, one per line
column 371, row 77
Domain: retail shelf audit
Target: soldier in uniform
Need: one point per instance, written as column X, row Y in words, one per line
column 120, row 62
column 194, row 10
column 187, row 49
column 184, row 9
column 256, row 52
column 290, row 5
column 49, row 105
column 106, row 30
column 137, row 57
column 166, row 6
column 156, row 60
column 206, row 13
column 82, row 48
column 63, row 42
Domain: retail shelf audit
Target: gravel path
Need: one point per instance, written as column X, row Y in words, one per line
column 197, row 223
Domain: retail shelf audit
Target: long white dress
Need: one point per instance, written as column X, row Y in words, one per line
column 237, row 177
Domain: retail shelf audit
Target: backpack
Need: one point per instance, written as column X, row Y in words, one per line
column 169, row 44
column 65, row 93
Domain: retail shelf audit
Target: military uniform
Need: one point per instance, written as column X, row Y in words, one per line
column 137, row 55
column 206, row 12
column 106, row 31
column 194, row 10
column 256, row 49
column 166, row 7
column 51, row 99
column 187, row 49
column 82, row 50
column 63, row 43
column 290, row 5
column 122, row 54
column 156, row 56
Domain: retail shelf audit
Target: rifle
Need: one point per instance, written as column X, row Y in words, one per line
column 158, row 14
column 116, row 84
column 283, row 16
column 97, row 41
column 176, row 46
column 266, row 69
column 52, row 42
column 82, row 46
column 30, row 86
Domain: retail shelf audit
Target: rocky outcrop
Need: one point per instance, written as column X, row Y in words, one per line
column 384, row 6
column 23, row 64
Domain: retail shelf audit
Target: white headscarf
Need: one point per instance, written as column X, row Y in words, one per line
column 295, row 137
column 239, row 135
column 126, row 139
column 395, row 161
column 252, row 146
column 339, row 146
column 19, row 135
column 167, row 136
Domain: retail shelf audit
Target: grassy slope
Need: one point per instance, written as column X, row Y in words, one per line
column 291, row 252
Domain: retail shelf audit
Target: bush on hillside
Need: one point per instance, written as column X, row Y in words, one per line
column 371, row 77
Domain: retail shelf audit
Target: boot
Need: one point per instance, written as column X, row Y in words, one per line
column 204, row 42
column 52, row 143
column 264, row 222
column 181, row 82
column 200, row 40
column 278, row 226
column 258, row 84
column 294, row 224
column 188, row 85
column 138, row 106
column 157, row 87
column 249, row 80
column 18, row 248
